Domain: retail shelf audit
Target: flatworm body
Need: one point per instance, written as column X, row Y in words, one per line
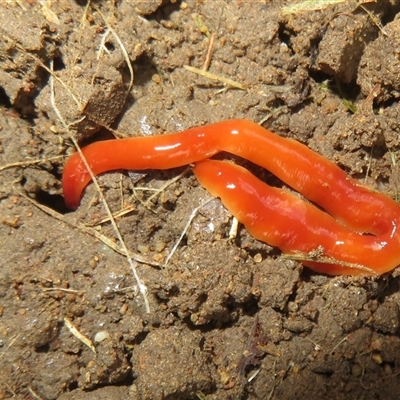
column 359, row 227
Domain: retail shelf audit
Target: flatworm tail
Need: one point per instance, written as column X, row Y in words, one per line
column 281, row 219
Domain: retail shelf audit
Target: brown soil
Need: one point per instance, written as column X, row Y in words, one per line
column 229, row 319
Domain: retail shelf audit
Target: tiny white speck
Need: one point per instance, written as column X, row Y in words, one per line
column 144, row 126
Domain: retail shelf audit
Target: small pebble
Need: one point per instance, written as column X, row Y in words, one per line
column 100, row 336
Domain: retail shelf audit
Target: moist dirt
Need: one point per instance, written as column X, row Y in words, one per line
column 229, row 317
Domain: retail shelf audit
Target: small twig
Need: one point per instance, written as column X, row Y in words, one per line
column 209, row 54
column 253, row 375
column 128, row 209
column 102, row 47
column 34, row 394
column 86, row 11
column 276, row 89
column 50, row 15
column 20, row 3
column 234, row 228
column 86, row 341
column 393, row 159
column 369, row 166
column 10, row 345
column 317, row 347
column 124, row 52
column 308, row 5
column 338, row 344
column 318, row 257
column 31, row 162
column 185, row 229
column 367, row 106
column 374, row 19
column 61, row 289
column 9, row 388
column 209, row 75
column 163, row 187
column 13, row 340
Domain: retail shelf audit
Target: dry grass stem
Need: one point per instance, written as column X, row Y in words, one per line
column 82, row 338
column 308, row 5
column 226, row 81
column 185, row 229
column 31, row 162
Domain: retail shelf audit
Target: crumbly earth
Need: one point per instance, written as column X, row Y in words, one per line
column 228, row 318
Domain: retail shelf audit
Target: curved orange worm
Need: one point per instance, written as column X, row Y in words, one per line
column 359, row 227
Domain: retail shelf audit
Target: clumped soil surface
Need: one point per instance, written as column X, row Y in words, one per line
column 229, row 318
